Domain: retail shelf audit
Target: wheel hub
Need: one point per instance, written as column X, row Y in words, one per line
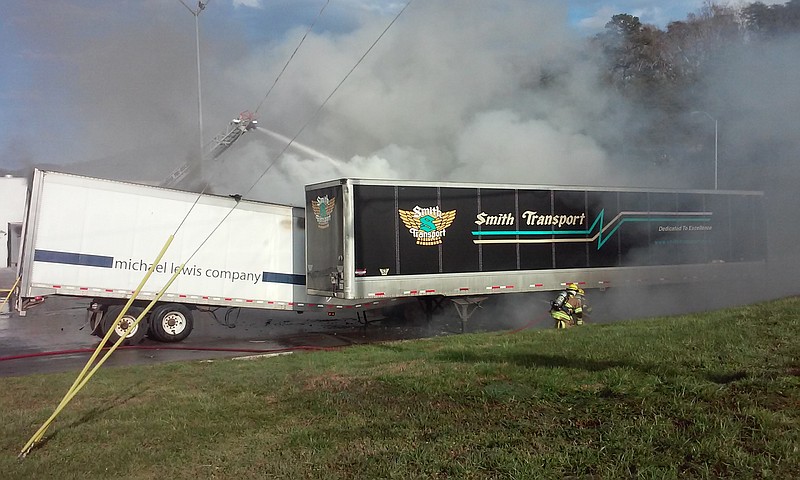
column 174, row 324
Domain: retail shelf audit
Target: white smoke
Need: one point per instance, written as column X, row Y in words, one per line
column 454, row 91
column 500, row 146
column 459, row 90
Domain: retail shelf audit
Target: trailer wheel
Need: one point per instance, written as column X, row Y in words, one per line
column 135, row 336
column 171, row 322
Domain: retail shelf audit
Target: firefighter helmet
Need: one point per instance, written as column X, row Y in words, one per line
column 581, row 292
column 572, row 287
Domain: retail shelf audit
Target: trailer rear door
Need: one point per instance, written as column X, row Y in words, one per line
column 325, row 240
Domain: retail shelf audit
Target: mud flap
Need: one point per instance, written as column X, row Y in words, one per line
column 95, row 320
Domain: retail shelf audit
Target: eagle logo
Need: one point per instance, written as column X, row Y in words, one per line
column 323, row 208
column 427, row 224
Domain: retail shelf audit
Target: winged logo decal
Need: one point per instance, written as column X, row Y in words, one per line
column 428, row 225
column 323, row 208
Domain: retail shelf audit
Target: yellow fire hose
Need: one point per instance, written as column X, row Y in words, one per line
column 9, row 293
column 83, row 377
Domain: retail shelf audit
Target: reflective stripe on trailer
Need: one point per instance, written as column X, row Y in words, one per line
column 184, row 298
column 65, row 289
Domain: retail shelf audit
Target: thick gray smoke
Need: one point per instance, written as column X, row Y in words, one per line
column 448, row 95
column 757, row 99
column 455, row 91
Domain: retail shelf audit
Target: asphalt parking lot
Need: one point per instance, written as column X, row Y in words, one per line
column 55, row 337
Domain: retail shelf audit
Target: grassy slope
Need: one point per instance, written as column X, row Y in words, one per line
column 697, row 396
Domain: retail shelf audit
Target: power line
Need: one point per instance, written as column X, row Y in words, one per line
column 292, row 56
column 289, row 144
column 333, row 92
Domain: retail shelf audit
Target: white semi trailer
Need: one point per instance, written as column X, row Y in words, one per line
column 366, row 244
column 95, row 238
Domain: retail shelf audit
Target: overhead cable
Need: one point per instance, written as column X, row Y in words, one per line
column 333, row 92
column 310, row 27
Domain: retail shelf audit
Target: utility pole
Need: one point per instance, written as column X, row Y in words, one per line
column 196, row 13
column 716, row 143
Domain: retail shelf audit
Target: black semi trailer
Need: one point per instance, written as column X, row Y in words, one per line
column 384, row 239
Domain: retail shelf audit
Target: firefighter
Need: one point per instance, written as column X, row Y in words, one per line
column 566, row 309
column 585, row 308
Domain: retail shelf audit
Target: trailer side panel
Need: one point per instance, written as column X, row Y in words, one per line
column 416, row 239
column 93, row 237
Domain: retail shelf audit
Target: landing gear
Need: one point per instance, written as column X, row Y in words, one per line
column 466, row 306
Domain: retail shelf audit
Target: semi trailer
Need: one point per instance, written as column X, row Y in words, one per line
column 96, row 238
column 369, row 239
column 367, row 244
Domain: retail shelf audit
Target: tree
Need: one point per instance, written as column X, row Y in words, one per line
column 769, row 21
column 632, row 50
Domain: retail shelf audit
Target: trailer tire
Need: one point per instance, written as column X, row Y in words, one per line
column 134, row 337
column 172, row 322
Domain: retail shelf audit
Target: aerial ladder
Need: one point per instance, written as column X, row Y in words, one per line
column 237, row 127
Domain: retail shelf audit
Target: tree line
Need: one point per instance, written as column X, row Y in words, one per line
column 662, row 71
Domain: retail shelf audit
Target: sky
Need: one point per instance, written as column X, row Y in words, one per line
column 112, row 87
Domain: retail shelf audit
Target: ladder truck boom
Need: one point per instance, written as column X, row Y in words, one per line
column 237, row 127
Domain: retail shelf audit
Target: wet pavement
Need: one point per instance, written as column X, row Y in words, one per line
column 59, row 325
column 54, row 336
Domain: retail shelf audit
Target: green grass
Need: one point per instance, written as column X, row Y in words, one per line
column 713, row 395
